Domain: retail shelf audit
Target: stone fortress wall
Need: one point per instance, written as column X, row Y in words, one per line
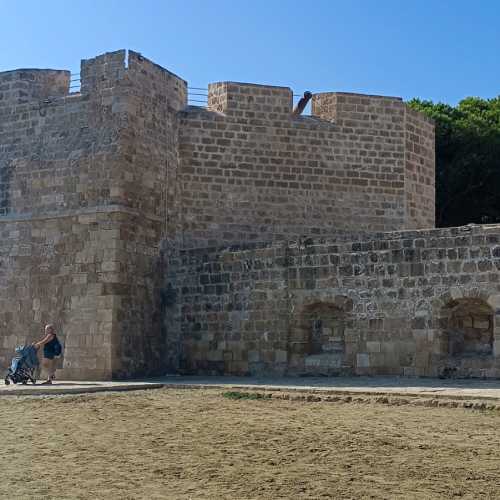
column 236, row 239
column 413, row 303
column 251, row 171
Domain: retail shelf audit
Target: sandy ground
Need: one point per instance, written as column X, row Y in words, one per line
column 174, row 443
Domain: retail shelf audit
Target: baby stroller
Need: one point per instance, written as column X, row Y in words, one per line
column 23, row 367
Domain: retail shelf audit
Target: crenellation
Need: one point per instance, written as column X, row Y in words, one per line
column 102, row 72
column 249, row 100
column 22, row 86
column 299, row 156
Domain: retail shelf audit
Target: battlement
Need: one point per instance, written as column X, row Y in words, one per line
column 250, row 169
column 252, row 101
column 359, row 161
column 23, row 85
column 103, row 73
column 131, row 69
column 249, row 99
column 127, row 67
column 357, row 109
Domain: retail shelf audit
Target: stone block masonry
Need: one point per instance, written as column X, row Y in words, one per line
column 237, row 238
column 83, row 211
column 251, row 171
column 411, row 303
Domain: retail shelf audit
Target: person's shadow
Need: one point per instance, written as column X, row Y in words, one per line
column 60, row 384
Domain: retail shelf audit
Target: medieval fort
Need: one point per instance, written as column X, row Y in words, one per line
column 237, row 238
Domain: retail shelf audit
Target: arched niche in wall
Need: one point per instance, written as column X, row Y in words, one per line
column 323, row 326
column 317, row 333
column 467, row 326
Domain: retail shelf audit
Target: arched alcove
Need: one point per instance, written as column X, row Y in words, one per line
column 467, row 325
column 323, row 326
column 317, row 337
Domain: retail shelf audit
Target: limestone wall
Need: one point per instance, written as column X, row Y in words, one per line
column 56, row 269
column 378, row 306
column 103, row 190
column 146, row 185
column 251, row 171
column 83, row 200
column 55, row 169
column 419, row 170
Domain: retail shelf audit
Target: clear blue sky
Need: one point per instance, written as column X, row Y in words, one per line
column 442, row 50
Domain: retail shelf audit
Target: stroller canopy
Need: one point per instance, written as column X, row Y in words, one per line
column 26, row 354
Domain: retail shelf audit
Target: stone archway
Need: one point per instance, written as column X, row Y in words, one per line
column 466, row 334
column 317, row 337
column 467, row 325
column 323, row 325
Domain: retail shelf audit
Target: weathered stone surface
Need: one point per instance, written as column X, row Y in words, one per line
column 235, row 239
column 251, row 171
column 82, row 211
column 386, row 320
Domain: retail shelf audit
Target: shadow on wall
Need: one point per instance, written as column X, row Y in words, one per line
column 6, row 171
column 466, row 339
column 317, row 344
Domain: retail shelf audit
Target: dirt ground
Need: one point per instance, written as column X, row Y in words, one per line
column 185, row 444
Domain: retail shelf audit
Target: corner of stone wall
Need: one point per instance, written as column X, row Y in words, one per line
column 154, row 81
column 420, row 169
column 152, row 98
column 102, row 72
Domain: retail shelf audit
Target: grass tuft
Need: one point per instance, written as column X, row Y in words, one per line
column 245, row 395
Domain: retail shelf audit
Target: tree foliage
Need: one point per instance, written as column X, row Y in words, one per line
column 467, row 160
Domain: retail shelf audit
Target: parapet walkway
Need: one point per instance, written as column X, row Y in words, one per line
column 394, row 386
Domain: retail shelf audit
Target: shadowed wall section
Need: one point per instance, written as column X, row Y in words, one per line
column 413, row 303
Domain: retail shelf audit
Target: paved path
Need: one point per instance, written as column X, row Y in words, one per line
column 76, row 387
column 463, row 389
column 359, row 385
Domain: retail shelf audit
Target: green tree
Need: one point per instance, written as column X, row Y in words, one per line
column 467, row 160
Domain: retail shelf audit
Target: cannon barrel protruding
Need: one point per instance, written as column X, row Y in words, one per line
column 302, row 103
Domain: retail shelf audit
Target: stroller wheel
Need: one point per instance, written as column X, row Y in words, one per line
column 7, row 381
column 24, row 382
